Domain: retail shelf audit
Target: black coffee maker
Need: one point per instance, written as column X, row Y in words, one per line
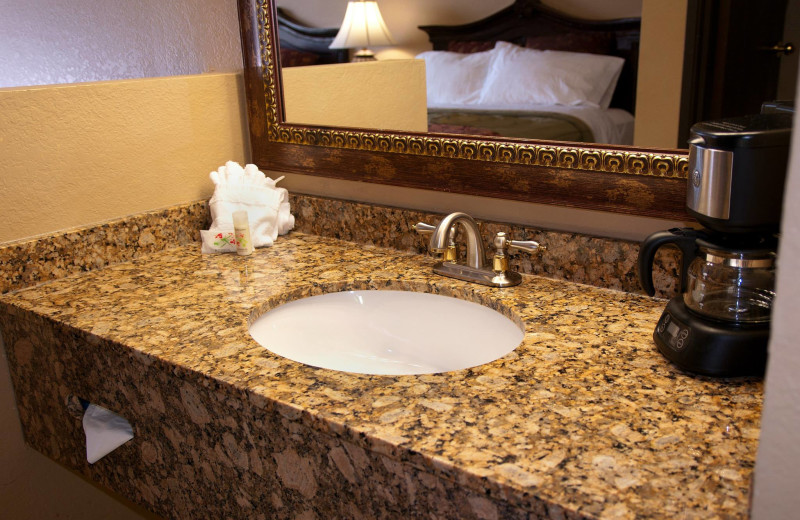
column 719, row 324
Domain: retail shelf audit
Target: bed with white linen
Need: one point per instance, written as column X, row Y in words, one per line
column 529, row 71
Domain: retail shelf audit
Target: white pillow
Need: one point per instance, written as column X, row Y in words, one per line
column 526, row 76
column 453, row 77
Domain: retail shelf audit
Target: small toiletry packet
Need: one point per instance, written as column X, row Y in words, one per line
column 218, row 241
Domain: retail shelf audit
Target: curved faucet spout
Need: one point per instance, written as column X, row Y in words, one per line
column 475, row 255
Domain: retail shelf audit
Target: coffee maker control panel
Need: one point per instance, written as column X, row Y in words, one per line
column 672, row 332
column 710, row 347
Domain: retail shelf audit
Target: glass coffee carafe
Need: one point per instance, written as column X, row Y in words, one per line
column 734, row 286
column 719, row 323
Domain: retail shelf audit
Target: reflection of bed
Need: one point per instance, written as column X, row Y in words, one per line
column 508, row 101
column 552, row 123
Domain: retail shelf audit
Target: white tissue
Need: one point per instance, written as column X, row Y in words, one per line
column 248, row 189
column 105, row 432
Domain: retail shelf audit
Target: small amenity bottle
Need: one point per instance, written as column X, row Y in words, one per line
column 241, row 229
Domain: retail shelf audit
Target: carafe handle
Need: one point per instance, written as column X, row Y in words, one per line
column 684, row 238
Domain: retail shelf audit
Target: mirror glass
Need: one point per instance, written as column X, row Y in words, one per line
column 675, row 102
column 643, row 181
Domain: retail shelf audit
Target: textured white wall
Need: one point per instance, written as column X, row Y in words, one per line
column 44, row 42
column 777, row 470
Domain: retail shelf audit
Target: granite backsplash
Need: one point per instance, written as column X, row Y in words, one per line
column 602, row 262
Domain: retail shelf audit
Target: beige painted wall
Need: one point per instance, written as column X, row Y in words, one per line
column 82, row 153
column 658, row 91
column 386, row 94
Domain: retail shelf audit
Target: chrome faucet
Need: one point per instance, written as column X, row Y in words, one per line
column 442, row 241
column 444, row 232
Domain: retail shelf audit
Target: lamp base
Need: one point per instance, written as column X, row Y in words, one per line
column 363, row 55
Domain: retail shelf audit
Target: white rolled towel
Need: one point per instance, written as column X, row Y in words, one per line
column 248, row 189
column 285, row 218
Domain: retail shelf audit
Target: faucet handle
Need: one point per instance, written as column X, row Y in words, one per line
column 503, row 245
column 423, row 228
column 529, row 246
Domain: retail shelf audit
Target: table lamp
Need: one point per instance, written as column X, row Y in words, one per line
column 363, row 27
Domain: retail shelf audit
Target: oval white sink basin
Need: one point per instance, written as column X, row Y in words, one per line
column 386, row 332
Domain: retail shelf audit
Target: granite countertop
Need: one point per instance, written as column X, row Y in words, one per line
column 585, row 414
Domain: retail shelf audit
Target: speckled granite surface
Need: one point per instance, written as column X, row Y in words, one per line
column 602, row 262
column 583, row 420
column 28, row 262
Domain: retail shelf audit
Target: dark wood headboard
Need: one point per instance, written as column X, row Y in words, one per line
column 294, row 35
column 526, row 19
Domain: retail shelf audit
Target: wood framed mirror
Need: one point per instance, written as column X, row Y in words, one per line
column 620, row 179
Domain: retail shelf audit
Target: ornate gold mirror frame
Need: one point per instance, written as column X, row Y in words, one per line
column 621, row 179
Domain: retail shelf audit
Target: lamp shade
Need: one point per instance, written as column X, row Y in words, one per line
column 363, row 26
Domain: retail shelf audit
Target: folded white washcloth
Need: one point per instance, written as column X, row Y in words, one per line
column 248, row 189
